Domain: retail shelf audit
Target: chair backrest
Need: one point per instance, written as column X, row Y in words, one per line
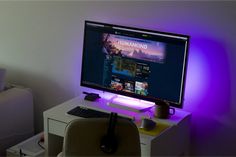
column 83, row 138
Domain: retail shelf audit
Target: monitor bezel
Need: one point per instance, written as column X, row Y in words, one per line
column 133, row 95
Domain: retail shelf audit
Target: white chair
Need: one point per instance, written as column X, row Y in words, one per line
column 83, row 138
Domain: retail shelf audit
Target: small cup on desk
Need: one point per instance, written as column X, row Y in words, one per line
column 163, row 110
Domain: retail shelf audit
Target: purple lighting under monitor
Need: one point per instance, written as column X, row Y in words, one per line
column 131, row 104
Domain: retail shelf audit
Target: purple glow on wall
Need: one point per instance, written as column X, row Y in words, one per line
column 208, row 84
column 197, row 77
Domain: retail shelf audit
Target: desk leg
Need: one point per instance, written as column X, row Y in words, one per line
column 54, row 145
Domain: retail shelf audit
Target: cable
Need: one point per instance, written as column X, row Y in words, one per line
column 21, row 153
column 39, row 141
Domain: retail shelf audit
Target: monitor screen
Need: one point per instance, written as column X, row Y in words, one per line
column 139, row 63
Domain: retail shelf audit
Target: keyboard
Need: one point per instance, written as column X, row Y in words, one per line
column 87, row 113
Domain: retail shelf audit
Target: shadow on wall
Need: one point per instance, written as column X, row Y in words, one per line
column 207, row 96
column 47, row 92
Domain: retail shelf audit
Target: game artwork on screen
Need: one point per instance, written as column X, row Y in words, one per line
column 130, row 47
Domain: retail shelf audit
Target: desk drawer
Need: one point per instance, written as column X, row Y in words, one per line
column 56, row 127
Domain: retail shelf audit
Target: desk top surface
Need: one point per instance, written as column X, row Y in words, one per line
column 59, row 112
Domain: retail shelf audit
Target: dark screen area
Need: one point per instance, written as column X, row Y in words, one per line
column 139, row 64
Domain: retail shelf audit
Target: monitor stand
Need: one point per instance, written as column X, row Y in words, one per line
column 131, row 104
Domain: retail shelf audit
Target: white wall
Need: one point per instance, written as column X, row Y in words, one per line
column 41, row 45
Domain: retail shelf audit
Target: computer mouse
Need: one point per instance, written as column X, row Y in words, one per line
column 148, row 124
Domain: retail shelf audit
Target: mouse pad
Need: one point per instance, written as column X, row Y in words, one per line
column 154, row 132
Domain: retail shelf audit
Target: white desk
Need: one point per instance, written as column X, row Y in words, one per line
column 173, row 141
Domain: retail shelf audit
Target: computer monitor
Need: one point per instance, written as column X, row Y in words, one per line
column 138, row 63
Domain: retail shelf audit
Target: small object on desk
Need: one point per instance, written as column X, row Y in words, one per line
column 148, row 124
column 160, row 127
column 163, row 110
column 91, row 96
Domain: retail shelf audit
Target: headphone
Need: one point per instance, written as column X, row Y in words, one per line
column 109, row 142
